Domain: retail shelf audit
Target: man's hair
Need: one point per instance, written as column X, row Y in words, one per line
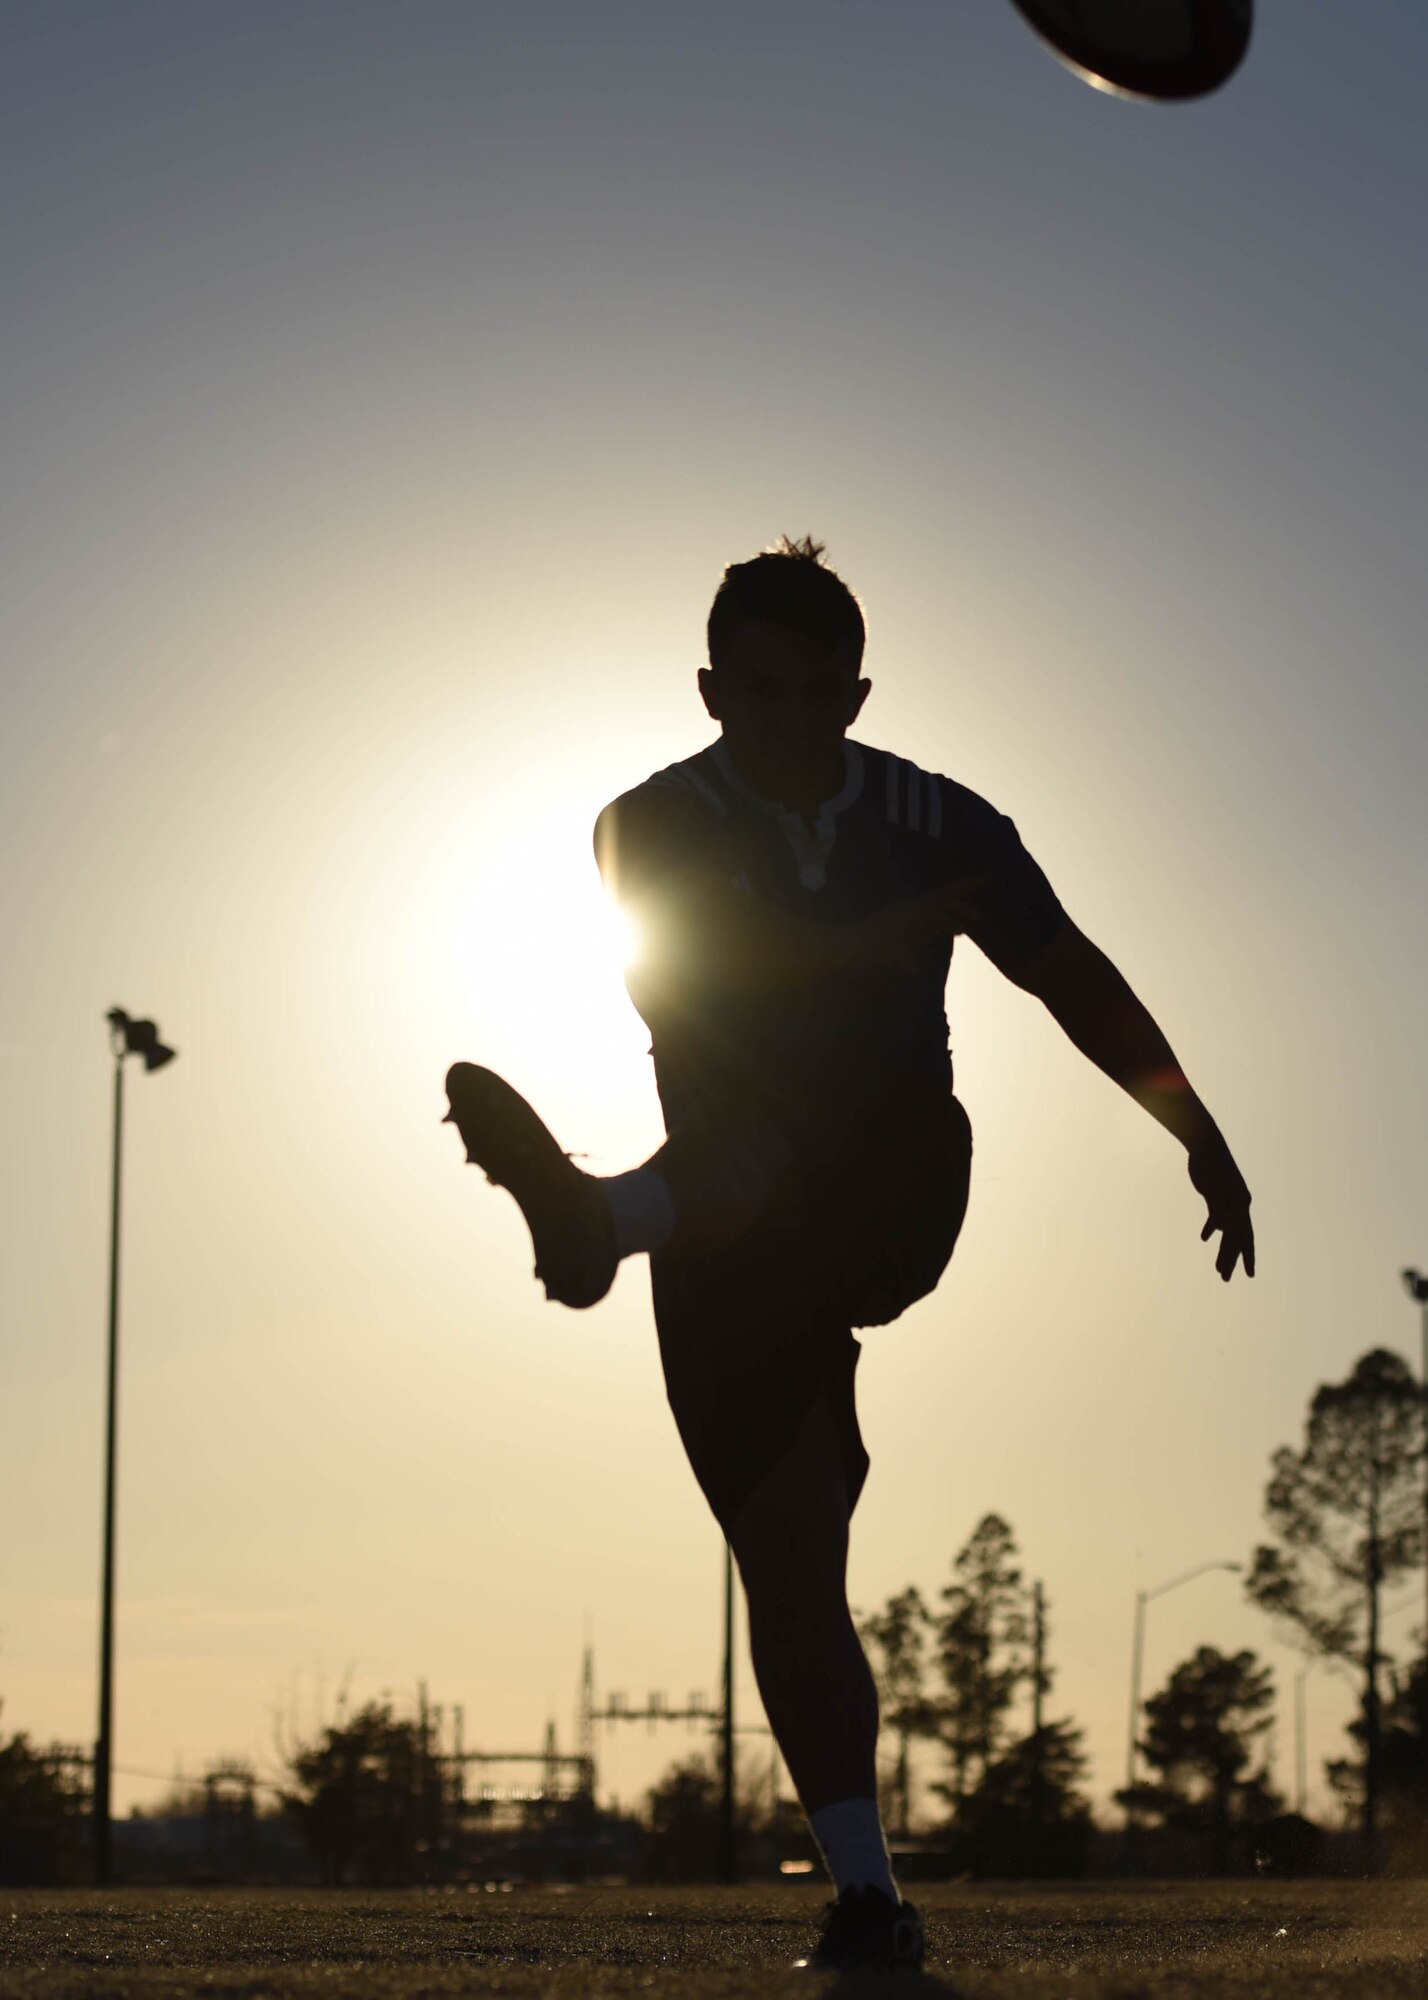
column 787, row 585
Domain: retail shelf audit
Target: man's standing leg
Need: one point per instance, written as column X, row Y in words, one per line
column 790, row 1538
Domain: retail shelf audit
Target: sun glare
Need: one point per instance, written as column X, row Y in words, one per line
column 624, row 941
column 515, row 956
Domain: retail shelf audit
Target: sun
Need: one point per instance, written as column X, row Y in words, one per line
column 514, row 955
column 462, row 918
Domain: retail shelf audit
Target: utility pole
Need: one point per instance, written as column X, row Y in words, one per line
column 728, row 1854
column 656, row 1710
column 1038, row 1688
column 1301, row 1788
column 585, row 1726
column 1417, row 1287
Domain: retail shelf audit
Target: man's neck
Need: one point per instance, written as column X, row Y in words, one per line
column 806, row 797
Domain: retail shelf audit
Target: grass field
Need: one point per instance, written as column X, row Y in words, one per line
column 1316, row 1941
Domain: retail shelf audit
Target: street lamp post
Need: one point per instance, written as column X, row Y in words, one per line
column 127, row 1038
column 1142, row 1598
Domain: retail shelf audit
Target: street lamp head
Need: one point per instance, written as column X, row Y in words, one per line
column 1417, row 1286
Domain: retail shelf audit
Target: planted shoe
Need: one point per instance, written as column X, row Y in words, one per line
column 866, row 1928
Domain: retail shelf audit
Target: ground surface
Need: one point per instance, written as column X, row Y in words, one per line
column 1316, row 1941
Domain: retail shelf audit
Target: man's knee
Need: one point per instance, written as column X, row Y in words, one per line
column 790, row 1538
column 785, row 1592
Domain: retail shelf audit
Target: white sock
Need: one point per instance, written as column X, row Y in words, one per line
column 642, row 1209
column 850, row 1839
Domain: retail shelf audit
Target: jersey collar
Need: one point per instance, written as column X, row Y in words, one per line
column 811, row 846
column 852, row 783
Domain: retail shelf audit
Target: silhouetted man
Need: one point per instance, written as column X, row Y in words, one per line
column 797, row 895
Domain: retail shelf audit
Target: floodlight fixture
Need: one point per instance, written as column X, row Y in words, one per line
column 140, row 1038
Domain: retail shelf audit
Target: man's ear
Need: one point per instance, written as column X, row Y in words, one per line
column 865, row 688
column 709, row 691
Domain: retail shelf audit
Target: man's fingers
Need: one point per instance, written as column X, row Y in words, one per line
column 937, row 918
column 961, row 899
column 965, row 885
column 1236, row 1242
column 952, row 898
column 902, row 931
column 961, row 913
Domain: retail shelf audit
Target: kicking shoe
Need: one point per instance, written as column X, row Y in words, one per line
column 867, row 1928
column 565, row 1209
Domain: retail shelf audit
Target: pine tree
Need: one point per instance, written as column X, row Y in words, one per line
column 1347, row 1511
column 981, row 1644
column 1027, row 1816
column 1202, row 1730
column 370, row 1798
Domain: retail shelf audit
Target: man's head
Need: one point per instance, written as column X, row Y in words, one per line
column 785, row 647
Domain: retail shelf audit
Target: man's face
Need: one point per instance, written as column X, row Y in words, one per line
column 785, row 704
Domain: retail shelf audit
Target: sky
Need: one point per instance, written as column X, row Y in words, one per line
column 386, row 389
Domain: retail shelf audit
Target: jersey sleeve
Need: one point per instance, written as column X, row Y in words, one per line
column 1018, row 912
column 658, row 851
column 649, row 838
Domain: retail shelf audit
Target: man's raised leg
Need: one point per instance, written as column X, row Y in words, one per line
column 711, row 1180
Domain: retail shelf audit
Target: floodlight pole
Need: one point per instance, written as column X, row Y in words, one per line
column 138, row 1038
column 104, row 1746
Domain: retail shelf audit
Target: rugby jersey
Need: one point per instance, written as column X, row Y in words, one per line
column 893, row 831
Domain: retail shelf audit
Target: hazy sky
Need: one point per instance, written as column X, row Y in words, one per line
column 385, row 389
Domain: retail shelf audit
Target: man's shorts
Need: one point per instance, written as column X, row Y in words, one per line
column 749, row 1335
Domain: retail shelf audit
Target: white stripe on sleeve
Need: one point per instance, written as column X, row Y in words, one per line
column 914, row 799
column 705, row 790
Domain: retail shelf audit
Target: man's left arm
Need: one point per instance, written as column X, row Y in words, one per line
column 1094, row 1006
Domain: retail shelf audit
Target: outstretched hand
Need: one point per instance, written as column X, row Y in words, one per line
column 898, row 934
column 1227, row 1199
